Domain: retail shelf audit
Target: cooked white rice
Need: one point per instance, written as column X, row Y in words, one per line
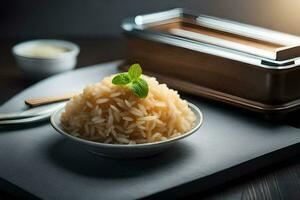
column 113, row 114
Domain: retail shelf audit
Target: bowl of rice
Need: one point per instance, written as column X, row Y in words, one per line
column 110, row 120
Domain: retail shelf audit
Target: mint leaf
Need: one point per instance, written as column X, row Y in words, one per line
column 132, row 79
column 139, row 88
column 134, row 72
column 121, row 79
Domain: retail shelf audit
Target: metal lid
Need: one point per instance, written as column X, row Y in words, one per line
column 182, row 27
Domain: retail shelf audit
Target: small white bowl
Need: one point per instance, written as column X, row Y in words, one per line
column 125, row 150
column 35, row 67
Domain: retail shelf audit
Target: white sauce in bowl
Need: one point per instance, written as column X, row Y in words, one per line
column 41, row 58
column 44, row 51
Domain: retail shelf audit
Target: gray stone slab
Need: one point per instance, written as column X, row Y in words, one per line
column 229, row 144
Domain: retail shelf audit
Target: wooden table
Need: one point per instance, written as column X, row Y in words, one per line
column 279, row 181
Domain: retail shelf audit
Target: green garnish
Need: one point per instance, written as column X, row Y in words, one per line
column 121, row 79
column 134, row 72
column 140, row 88
column 133, row 80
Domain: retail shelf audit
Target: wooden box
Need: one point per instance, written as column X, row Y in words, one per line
column 242, row 65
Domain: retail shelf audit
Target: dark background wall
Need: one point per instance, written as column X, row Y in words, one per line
column 92, row 18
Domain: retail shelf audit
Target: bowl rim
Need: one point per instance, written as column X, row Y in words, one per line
column 93, row 143
column 73, row 49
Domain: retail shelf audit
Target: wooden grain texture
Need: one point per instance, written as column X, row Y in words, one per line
column 226, row 80
column 281, row 184
column 188, row 26
column 33, row 102
column 279, row 181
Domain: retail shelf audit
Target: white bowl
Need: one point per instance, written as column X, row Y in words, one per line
column 41, row 67
column 125, row 150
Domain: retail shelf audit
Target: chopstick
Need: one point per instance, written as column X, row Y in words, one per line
column 47, row 100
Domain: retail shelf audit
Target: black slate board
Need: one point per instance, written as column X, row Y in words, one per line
column 228, row 145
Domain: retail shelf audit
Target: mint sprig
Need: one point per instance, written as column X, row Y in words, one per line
column 133, row 80
column 134, row 72
column 140, row 88
column 121, row 79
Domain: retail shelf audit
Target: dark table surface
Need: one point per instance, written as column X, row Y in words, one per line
column 279, row 181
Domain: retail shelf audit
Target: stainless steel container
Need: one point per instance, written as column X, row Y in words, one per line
column 239, row 64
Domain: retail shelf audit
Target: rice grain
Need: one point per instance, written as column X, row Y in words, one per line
column 113, row 114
